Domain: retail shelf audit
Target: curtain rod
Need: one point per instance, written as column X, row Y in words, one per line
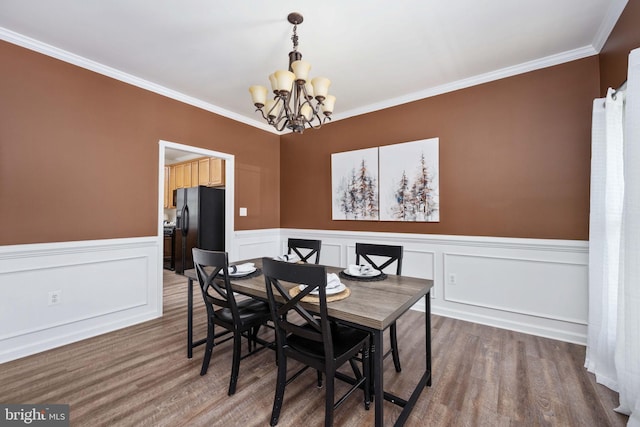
column 623, row 86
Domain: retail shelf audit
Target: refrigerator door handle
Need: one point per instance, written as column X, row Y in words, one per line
column 185, row 220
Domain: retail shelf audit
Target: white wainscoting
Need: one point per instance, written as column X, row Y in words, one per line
column 536, row 286
column 528, row 285
column 255, row 244
column 103, row 285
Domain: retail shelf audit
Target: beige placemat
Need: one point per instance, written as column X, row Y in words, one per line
column 312, row 298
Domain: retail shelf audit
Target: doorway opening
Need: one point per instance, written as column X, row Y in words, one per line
column 171, row 152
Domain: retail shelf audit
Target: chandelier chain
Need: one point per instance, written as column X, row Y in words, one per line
column 294, row 38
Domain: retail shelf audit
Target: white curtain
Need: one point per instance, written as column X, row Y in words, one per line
column 613, row 341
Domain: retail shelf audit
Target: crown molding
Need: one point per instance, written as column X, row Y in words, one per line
column 525, row 67
column 52, row 51
column 71, row 58
column 608, row 23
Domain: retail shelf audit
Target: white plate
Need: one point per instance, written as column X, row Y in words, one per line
column 241, row 273
column 330, row 291
column 372, row 273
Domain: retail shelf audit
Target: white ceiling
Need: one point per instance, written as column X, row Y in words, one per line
column 378, row 53
column 172, row 155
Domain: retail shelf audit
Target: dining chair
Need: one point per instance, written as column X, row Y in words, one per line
column 311, row 338
column 309, row 248
column 381, row 257
column 238, row 318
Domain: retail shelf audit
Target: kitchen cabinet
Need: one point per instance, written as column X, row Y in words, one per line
column 168, row 196
column 172, row 185
column 211, row 172
column 172, row 178
column 194, row 173
column 186, row 174
column 186, row 178
column 179, row 172
column 204, row 171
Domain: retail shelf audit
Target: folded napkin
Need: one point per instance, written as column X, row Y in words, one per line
column 288, row 258
column 359, row 270
column 247, row 267
column 333, row 282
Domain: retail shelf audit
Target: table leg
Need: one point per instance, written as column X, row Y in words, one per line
column 427, row 325
column 377, row 363
column 190, row 318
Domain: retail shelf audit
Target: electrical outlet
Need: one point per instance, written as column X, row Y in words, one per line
column 55, row 297
column 453, row 279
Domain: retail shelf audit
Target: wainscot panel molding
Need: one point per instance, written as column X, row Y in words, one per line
column 536, row 286
column 255, row 244
column 100, row 285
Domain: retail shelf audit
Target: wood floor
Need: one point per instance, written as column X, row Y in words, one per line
column 140, row 376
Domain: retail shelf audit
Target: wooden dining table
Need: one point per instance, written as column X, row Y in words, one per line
column 372, row 306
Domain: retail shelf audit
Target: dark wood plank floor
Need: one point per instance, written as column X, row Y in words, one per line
column 140, row 376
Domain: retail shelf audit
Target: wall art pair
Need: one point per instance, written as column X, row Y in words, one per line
column 392, row 183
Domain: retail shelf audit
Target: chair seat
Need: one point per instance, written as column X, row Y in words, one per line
column 250, row 310
column 252, row 304
column 344, row 339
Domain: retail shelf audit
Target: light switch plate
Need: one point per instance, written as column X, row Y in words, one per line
column 243, row 211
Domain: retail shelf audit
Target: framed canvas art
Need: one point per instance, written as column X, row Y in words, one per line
column 354, row 185
column 409, row 186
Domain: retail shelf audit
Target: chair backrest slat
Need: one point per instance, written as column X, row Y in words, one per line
column 390, row 253
column 312, row 247
column 215, row 287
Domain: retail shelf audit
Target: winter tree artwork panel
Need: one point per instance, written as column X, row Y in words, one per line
column 354, row 184
column 409, row 185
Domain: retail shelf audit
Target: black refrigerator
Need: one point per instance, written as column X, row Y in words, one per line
column 199, row 223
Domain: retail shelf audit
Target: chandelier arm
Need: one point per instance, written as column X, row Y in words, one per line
column 294, row 101
column 312, row 126
column 280, row 120
column 281, row 116
column 301, row 100
column 286, row 104
column 307, row 98
column 316, row 116
column 321, row 122
column 276, row 98
column 262, row 113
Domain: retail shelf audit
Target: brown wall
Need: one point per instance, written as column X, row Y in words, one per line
column 614, row 56
column 514, row 157
column 79, row 153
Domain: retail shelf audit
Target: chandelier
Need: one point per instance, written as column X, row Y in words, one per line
column 297, row 102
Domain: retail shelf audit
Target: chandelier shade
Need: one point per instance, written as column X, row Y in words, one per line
column 297, row 101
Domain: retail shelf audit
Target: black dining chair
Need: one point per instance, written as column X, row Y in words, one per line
column 381, row 257
column 311, row 338
column 305, row 249
column 238, row 318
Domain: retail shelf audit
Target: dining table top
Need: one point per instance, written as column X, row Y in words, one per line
column 372, row 304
